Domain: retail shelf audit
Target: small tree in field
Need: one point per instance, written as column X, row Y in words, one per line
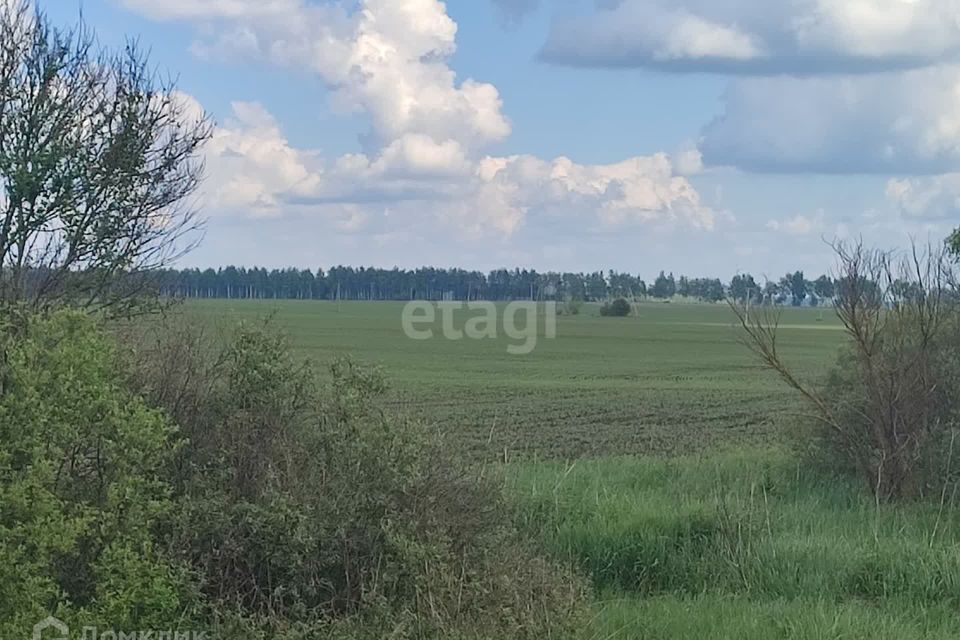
column 890, row 402
column 97, row 160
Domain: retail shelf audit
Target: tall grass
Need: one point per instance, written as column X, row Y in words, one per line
column 744, row 545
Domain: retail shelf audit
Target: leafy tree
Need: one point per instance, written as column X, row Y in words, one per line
column 744, row 288
column 823, row 287
column 664, row 286
column 796, row 285
column 97, row 160
column 953, row 244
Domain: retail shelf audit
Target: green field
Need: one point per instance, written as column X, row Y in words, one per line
column 671, row 379
column 650, row 452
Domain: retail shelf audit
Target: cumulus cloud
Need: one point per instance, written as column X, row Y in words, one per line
column 642, row 189
column 688, row 162
column 425, row 158
column 759, row 36
column 387, row 58
column 253, row 168
column 895, row 123
column 932, row 198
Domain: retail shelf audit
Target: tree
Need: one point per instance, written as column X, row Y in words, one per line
column 743, row 288
column 97, row 160
column 798, row 288
column 664, row 286
column 823, row 287
column 771, row 292
column 953, row 244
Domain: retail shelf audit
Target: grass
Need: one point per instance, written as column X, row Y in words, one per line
column 744, row 545
column 718, row 617
column 649, row 451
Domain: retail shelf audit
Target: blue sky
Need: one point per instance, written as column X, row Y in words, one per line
column 700, row 136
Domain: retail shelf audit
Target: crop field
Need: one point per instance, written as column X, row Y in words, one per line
column 669, row 379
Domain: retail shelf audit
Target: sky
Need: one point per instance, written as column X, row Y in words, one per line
column 704, row 137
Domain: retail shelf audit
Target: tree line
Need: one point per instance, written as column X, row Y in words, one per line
column 428, row 283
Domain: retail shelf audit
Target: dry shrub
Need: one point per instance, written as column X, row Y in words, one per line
column 889, row 407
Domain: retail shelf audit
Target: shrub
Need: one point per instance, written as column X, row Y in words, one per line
column 571, row 307
column 307, row 507
column 82, row 492
column 619, row 308
column 283, row 508
column 889, row 409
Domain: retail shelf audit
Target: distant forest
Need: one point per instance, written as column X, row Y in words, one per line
column 348, row 283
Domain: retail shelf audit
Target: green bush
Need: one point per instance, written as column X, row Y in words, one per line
column 82, row 489
column 619, row 308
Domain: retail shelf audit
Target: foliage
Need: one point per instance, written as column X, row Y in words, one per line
column 798, row 287
column 664, row 286
column 427, row 283
column 97, row 161
column 308, row 506
column 82, row 488
column 743, row 288
column 953, row 244
column 619, row 308
column 824, row 287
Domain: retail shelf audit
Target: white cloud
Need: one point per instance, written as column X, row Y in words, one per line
column 388, row 58
column 692, row 37
column 415, row 154
column 821, row 86
column 637, row 190
column 425, row 159
column 935, row 197
column 907, row 123
column 251, row 167
column 688, row 162
column 759, row 36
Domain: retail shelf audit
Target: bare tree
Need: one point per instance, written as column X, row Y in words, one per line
column 98, row 160
column 893, row 409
